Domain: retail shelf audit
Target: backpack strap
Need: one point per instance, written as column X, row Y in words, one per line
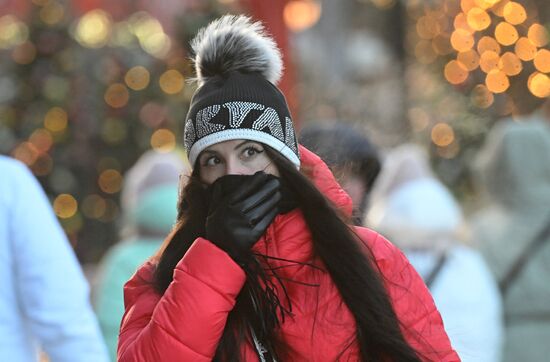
column 429, row 280
column 540, row 238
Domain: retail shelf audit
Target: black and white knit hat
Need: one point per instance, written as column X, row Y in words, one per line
column 237, row 66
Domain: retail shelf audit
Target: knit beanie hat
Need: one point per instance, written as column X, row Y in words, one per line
column 237, row 66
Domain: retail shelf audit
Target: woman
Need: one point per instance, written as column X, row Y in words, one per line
column 351, row 157
column 261, row 266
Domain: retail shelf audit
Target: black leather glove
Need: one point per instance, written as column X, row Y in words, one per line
column 241, row 209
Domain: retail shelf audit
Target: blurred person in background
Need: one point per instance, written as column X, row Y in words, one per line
column 350, row 156
column 411, row 207
column 149, row 200
column 513, row 230
column 44, row 296
column 260, row 265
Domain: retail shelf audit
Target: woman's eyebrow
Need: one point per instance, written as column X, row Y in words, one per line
column 210, row 152
column 244, row 143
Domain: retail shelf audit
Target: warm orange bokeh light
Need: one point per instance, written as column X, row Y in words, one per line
column 460, row 22
column 497, row 81
column 41, row 139
column 538, row 35
column 26, row 152
column 506, row 34
column 455, row 72
column 116, row 95
column 487, row 43
column 539, row 85
column 172, row 81
column 442, row 134
column 137, row 78
column 110, row 181
column 542, row 61
column 514, row 13
column 427, row 27
column 489, row 61
column 466, row 5
column 525, row 49
column 482, row 97
column 469, row 59
column 65, row 206
column 498, row 9
column 461, row 40
column 485, row 4
column 478, row 19
column 510, row 64
column 56, row 120
column 163, row 140
column 300, row 15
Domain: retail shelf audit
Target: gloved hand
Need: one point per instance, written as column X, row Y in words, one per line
column 238, row 218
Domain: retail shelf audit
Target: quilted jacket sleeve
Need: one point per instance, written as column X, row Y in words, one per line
column 420, row 320
column 186, row 323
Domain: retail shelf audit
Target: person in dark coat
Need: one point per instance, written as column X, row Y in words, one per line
column 351, row 157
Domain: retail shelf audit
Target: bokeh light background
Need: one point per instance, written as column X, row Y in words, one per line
column 87, row 86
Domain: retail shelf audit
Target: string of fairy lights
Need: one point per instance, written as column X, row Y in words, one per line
column 494, row 40
column 495, row 52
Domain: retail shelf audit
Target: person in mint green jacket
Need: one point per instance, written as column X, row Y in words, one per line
column 148, row 199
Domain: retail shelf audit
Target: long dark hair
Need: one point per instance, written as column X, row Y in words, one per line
column 355, row 274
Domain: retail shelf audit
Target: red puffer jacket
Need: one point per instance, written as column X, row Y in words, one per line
column 186, row 323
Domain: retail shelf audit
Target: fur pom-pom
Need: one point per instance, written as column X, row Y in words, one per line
column 234, row 43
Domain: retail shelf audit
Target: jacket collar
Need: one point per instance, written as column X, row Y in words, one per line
column 323, row 178
column 288, row 236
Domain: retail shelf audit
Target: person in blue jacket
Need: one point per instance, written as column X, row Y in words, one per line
column 44, row 298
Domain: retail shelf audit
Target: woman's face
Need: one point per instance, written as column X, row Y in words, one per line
column 236, row 157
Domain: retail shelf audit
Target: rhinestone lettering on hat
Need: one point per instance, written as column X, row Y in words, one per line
column 266, row 128
column 204, row 116
column 270, row 119
column 189, row 134
column 239, row 110
column 290, row 137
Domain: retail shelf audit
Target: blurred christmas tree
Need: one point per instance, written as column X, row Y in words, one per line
column 81, row 99
column 476, row 61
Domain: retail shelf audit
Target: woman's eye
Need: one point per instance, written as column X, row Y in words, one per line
column 251, row 151
column 211, row 161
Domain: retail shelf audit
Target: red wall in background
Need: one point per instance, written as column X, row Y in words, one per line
column 163, row 10
column 271, row 14
column 15, row 7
